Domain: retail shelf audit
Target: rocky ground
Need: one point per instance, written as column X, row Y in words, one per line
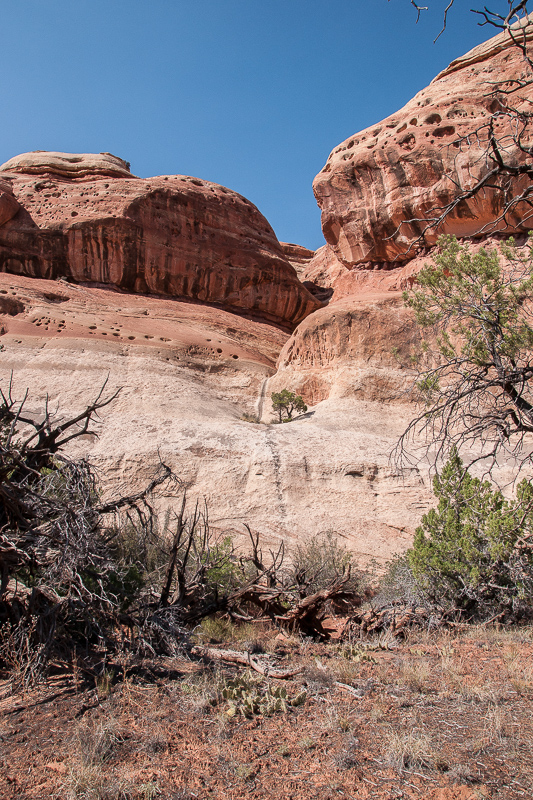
column 442, row 715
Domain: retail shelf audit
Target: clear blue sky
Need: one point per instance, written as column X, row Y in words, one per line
column 252, row 95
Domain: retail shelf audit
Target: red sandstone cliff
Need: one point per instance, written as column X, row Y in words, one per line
column 372, row 185
column 87, row 218
column 401, row 169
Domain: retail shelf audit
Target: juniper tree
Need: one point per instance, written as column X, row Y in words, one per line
column 286, row 403
column 475, row 370
column 473, row 554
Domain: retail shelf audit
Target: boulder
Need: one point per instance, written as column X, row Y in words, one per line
column 172, row 235
column 380, row 187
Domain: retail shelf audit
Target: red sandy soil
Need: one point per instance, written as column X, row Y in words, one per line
column 443, row 716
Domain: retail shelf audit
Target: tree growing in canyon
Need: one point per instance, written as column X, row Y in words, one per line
column 475, row 381
column 286, row 403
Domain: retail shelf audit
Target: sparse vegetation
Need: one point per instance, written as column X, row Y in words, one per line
column 472, row 555
column 247, row 417
column 153, row 738
column 286, row 404
column 324, row 560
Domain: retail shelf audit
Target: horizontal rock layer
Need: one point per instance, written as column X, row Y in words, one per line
column 69, row 165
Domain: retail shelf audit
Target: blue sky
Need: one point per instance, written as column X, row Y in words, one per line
column 252, row 95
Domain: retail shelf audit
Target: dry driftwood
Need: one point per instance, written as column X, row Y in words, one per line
column 395, row 619
column 234, row 657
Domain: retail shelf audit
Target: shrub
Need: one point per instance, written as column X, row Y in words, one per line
column 397, row 585
column 286, row 403
column 473, row 554
column 322, row 561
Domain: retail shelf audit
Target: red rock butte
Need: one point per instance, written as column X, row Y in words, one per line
column 381, row 187
column 87, row 218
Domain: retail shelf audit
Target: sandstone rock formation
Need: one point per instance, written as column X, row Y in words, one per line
column 372, row 185
column 303, row 261
column 351, row 349
column 87, row 218
column 297, row 255
column 8, row 202
column 192, row 376
column 68, row 165
column 196, row 377
column 380, row 187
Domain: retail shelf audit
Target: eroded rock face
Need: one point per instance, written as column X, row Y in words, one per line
column 192, row 378
column 68, row 165
column 404, row 167
column 171, row 235
column 351, row 349
column 325, row 271
column 297, row 255
column 8, row 202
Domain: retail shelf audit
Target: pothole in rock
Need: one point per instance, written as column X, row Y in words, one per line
column 11, row 306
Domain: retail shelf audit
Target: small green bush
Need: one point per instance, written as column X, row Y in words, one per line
column 286, row 404
column 474, row 553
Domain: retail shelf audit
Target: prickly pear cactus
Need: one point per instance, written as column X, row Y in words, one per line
column 249, row 696
column 356, row 653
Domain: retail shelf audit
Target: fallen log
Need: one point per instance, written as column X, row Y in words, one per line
column 395, row 620
column 234, row 657
column 309, row 613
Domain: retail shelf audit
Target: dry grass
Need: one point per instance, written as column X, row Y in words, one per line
column 408, row 749
column 439, row 711
column 519, row 673
column 89, row 777
column 415, row 674
column 95, row 741
column 217, row 630
column 202, row 690
column 343, row 670
column 93, row 783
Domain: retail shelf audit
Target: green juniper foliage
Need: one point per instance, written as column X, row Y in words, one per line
column 474, row 552
column 286, row 403
column 474, row 373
